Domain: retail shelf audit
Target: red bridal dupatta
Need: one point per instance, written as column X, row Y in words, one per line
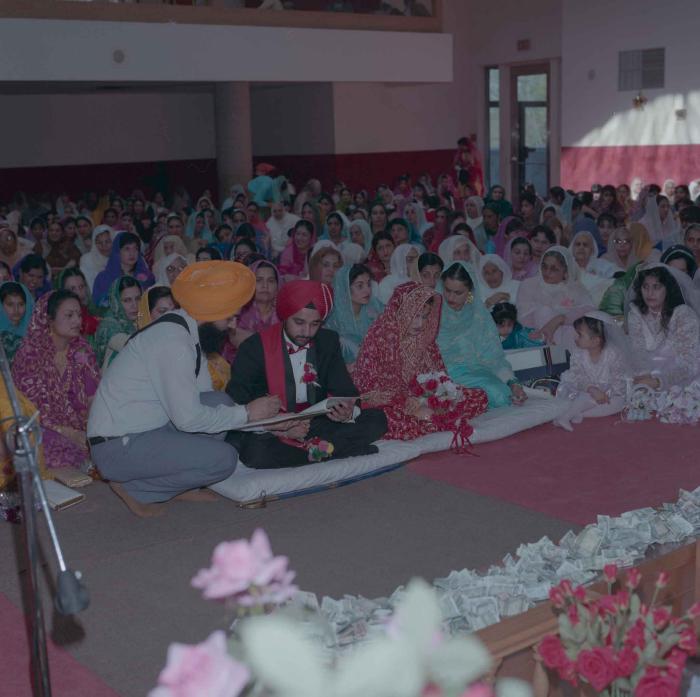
column 390, row 359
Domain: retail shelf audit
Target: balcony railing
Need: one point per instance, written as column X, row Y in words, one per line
column 374, row 15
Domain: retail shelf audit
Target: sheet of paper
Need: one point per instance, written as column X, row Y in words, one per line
column 322, row 407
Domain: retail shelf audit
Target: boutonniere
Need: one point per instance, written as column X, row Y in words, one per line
column 310, row 376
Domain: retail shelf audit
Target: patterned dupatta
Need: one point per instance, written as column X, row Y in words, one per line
column 63, row 400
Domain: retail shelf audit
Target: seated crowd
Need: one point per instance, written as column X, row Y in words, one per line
column 146, row 350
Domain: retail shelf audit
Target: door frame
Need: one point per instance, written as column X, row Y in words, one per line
column 538, row 68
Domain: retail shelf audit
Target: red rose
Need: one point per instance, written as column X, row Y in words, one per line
column 661, row 617
column 676, row 661
column 622, row 599
column 566, row 587
column 663, row 579
column 606, row 605
column 567, row 672
column 597, row 666
column 655, row 683
column 551, row 650
column 556, row 596
column 694, row 611
column 635, row 635
column 433, row 402
column 634, row 576
column 431, row 385
column 610, row 572
column 627, row 660
column 688, row 641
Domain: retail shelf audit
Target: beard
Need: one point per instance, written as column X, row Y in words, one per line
column 211, row 339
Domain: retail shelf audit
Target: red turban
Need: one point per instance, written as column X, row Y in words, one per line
column 297, row 295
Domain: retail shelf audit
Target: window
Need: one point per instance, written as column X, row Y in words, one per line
column 493, row 125
column 643, row 69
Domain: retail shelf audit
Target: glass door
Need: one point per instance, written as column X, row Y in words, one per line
column 530, row 133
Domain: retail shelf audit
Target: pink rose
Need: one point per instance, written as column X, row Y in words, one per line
column 627, row 660
column 610, row 572
column 204, row 669
column 247, row 573
column 676, row 661
column 597, row 666
column 655, row 683
column 551, row 651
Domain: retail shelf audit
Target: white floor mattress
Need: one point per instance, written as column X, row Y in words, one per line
column 247, row 485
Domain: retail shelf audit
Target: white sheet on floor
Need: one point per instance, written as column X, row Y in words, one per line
column 247, row 484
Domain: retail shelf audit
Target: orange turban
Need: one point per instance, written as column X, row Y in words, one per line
column 214, row 290
column 297, row 295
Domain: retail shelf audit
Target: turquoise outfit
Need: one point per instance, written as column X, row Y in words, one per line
column 351, row 329
column 519, row 338
column 471, row 348
column 10, row 334
column 264, row 190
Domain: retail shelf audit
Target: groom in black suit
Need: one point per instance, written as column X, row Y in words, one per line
column 302, row 363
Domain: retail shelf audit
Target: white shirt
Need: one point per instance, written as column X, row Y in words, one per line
column 298, row 360
column 279, row 229
column 152, row 381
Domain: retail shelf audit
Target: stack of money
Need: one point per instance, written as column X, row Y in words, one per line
column 470, row 600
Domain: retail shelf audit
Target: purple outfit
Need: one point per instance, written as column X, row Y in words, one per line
column 62, row 399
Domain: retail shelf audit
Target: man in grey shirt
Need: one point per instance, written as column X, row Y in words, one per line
column 152, row 420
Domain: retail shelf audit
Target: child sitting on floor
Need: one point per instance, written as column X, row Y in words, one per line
column 513, row 334
column 595, row 383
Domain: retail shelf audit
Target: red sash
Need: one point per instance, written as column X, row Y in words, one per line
column 272, row 344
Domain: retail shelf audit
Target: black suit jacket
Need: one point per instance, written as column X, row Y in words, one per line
column 248, row 379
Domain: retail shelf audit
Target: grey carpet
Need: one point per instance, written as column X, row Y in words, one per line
column 364, row 539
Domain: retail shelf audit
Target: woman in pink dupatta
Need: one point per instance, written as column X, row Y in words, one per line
column 294, row 258
column 399, row 346
column 56, row 369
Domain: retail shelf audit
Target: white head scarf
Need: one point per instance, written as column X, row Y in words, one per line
column 479, row 203
column 399, row 273
column 508, row 285
column 92, row 262
column 160, row 268
column 352, row 253
column 447, row 249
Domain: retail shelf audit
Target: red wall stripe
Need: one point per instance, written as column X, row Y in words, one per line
column 581, row 167
column 123, row 177
column 361, row 170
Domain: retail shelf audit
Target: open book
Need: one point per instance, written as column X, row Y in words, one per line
column 322, row 407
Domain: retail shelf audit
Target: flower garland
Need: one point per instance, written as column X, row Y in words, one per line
column 446, row 400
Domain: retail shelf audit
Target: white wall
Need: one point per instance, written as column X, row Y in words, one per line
column 70, row 50
column 292, row 119
column 96, row 128
column 595, row 113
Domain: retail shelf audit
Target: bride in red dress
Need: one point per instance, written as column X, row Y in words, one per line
column 399, row 347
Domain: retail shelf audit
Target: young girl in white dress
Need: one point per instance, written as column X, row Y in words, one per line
column 595, row 383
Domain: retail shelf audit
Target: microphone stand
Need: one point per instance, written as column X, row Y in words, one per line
column 71, row 595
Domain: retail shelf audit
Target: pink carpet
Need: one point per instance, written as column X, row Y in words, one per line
column 604, row 467
column 68, row 677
